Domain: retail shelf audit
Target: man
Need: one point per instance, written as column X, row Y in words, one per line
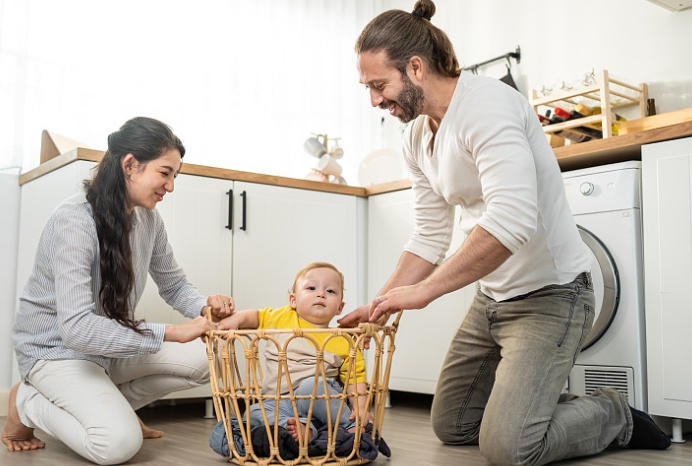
column 477, row 143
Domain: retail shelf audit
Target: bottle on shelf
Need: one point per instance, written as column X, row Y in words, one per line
column 616, row 118
column 582, row 110
column 559, row 115
column 554, row 138
column 650, row 107
column 577, row 134
column 544, row 120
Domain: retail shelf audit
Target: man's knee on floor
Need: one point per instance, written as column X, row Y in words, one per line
column 502, row 450
column 454, row 435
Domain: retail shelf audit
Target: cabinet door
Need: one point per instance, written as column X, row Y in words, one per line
column 667, row 236
column 424, row 335
column 196, row 215
column 279, row 230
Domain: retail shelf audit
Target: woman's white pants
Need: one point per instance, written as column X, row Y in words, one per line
column 93, row 412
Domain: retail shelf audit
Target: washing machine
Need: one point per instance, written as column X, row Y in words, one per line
column 606, row 204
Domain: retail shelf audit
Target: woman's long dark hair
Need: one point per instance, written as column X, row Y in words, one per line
column 146, row 139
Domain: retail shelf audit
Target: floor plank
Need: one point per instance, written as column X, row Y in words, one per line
column 407, row 432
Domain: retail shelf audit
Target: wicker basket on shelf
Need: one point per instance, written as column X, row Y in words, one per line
column 237, row 365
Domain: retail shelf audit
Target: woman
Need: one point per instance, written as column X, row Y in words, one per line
column 86, row 363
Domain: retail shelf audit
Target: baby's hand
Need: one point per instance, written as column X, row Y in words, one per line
column 229, row 323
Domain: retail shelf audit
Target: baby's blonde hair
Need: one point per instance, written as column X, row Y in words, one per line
column 317, row 265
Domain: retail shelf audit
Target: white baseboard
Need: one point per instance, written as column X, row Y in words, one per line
column 4, row 400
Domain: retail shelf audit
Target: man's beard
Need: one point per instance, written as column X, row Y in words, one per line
column 410, row 100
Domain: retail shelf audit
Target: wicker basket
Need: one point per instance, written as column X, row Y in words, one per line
column 236, row 366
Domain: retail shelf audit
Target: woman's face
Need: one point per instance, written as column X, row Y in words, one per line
column 147, row 183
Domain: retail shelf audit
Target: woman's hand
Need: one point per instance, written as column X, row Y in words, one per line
column 221, row 306
column 182, row 333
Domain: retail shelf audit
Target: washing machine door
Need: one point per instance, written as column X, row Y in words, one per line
column 606, row 284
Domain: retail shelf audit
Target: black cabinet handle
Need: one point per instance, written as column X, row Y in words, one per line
column 230, row 209
column 244, row 196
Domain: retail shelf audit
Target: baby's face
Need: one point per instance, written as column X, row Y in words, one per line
column 318, row 296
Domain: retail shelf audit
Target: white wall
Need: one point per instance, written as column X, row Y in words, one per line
column 635, row 40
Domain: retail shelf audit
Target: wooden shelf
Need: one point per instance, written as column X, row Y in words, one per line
column 608, row 94
column 616, row 149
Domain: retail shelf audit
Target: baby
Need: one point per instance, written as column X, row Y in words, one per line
column 314, row 300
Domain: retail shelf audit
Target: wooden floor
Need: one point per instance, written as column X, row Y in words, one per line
column 406, row 430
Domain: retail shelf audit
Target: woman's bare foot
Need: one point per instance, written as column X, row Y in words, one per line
column 292, row 426
column 148, row 432
column 15, row 435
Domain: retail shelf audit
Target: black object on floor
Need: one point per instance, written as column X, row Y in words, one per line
column 646, row 434
column 288, row 447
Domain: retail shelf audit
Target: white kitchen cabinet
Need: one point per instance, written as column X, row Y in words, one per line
column 667, row 225
column 424, row 335
column 194, row 214
column 275, row 232
column 248, row 240
column 285, row 229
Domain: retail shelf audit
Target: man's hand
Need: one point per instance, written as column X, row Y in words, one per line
column 355, row 317
column 397, row 299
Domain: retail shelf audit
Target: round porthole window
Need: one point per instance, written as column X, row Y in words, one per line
column 606, row 285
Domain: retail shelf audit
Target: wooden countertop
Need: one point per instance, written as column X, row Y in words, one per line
column 81, row 153
column 572, row 157
column 617, row 148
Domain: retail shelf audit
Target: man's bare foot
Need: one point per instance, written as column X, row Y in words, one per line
column 292, row 426
column 15, row 435
column 148, row 432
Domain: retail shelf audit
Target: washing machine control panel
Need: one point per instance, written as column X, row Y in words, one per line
column 603, row 189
